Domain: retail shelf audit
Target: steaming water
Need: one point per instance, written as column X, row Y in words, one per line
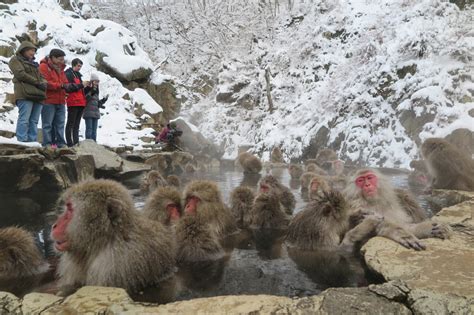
column 261, row 263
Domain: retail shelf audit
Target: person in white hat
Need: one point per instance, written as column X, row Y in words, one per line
column 92, row 111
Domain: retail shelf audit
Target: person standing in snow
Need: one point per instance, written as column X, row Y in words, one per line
column 91, row 112
column 75, row 101
column 30, row 90
column 54, row 111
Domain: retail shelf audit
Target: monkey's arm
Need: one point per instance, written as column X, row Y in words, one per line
column 363, row 231
column 411, row 206
column 400, row 235
column 428, row 228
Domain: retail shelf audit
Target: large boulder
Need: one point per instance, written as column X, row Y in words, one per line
column 195, row 143
column 440, row 278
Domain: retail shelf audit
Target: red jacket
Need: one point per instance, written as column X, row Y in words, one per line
column 54, row 93
column 76, row 98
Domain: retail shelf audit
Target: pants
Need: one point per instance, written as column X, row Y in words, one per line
column 28, row 116
column 53, row 116
column 91, row 128
column 74, row 115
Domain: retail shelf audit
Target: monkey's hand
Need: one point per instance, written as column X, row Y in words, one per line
column 359, row 216
column 401, row 236
column 362, row 231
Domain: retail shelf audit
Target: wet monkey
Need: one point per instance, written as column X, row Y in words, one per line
column 164, row 205
column 249, row 163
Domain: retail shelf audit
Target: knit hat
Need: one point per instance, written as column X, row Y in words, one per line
column 94, row 77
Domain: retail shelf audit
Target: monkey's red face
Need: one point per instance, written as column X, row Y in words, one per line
column 58, row 232
column 264, row 188
column 368, row 184
column 173, row 211
column 314, row 185
column 191, row 205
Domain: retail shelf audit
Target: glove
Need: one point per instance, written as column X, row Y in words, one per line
column 69, row 87
column 102, row 102
column 42, row 86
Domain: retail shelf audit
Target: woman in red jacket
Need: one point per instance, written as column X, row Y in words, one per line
column 75, row 101
column 54, row 112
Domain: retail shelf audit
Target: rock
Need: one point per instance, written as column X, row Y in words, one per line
column 165, row 95
column 402, row 72
column 7, row 134
column 9, row 1
column 471, row 112
column 393, row 290
column 34, row 302
column 82, row 166
column 107, row 163
column 319, row 141
column 7, row 49
column 139, row 74
column 90, row 300
column 195, row 143
column 225, row 97
column 441, row 274
column 414, row 123
column 9, row 304
column 169, row 162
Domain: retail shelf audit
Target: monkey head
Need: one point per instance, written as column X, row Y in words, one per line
column 266, row 183
column 94, row 212
column 367, row 182
column 199, row 192
column 318, row 184
column 331, row 203
column 164, row 205
column 431, row 145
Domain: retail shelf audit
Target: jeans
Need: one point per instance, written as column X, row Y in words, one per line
column 74, row 115
column 91, row 128
column 53, row 115
column 28, row 116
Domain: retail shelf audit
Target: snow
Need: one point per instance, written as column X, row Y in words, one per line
column 142, row 97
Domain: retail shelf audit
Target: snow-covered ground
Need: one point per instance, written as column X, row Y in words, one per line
column 79, row 38
column 380, row 75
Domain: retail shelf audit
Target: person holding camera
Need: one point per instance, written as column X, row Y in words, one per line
column 169, row 135
column 53, row 113
column 75, row 101
column 92, row 110
column 30, row 91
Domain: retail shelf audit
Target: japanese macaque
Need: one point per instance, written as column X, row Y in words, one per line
column 164, row 205
column 276, row 156
column 173, row 181
column 305, row 179
column 419, row 177
column 19, row 255
column 151, row 181
column 370, row 194
column 267, row 211
column 22, row 266
column 313, row 168
column 203, row 199
column 190, row 168
column 270, row 184
column 322, row 223
column 447, row 166
column 325, row 155
column 241, row 201
column 250, row 163
column 104, row 241
column 205, row 223
column 295, row 171
column 317, row 186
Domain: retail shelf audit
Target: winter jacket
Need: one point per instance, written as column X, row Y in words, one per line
column 76, row 96
column 55, row 94
column 93, row 103
column 26, row 76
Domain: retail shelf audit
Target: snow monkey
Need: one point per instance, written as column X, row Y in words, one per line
column 164, row 205
column 448, row 167
column 173, row 180
column 404, row 221
column 22, row 266
column 104, row 241
column 268, row 211
column 206, row 222
column 19, row 255
column 317, row 186
column 241, row 202
column 276, row 156
column 250, row 163
column 313, row 168
column 285, row 196
column 295, row 171
column 151, row 181
column 325, row 155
